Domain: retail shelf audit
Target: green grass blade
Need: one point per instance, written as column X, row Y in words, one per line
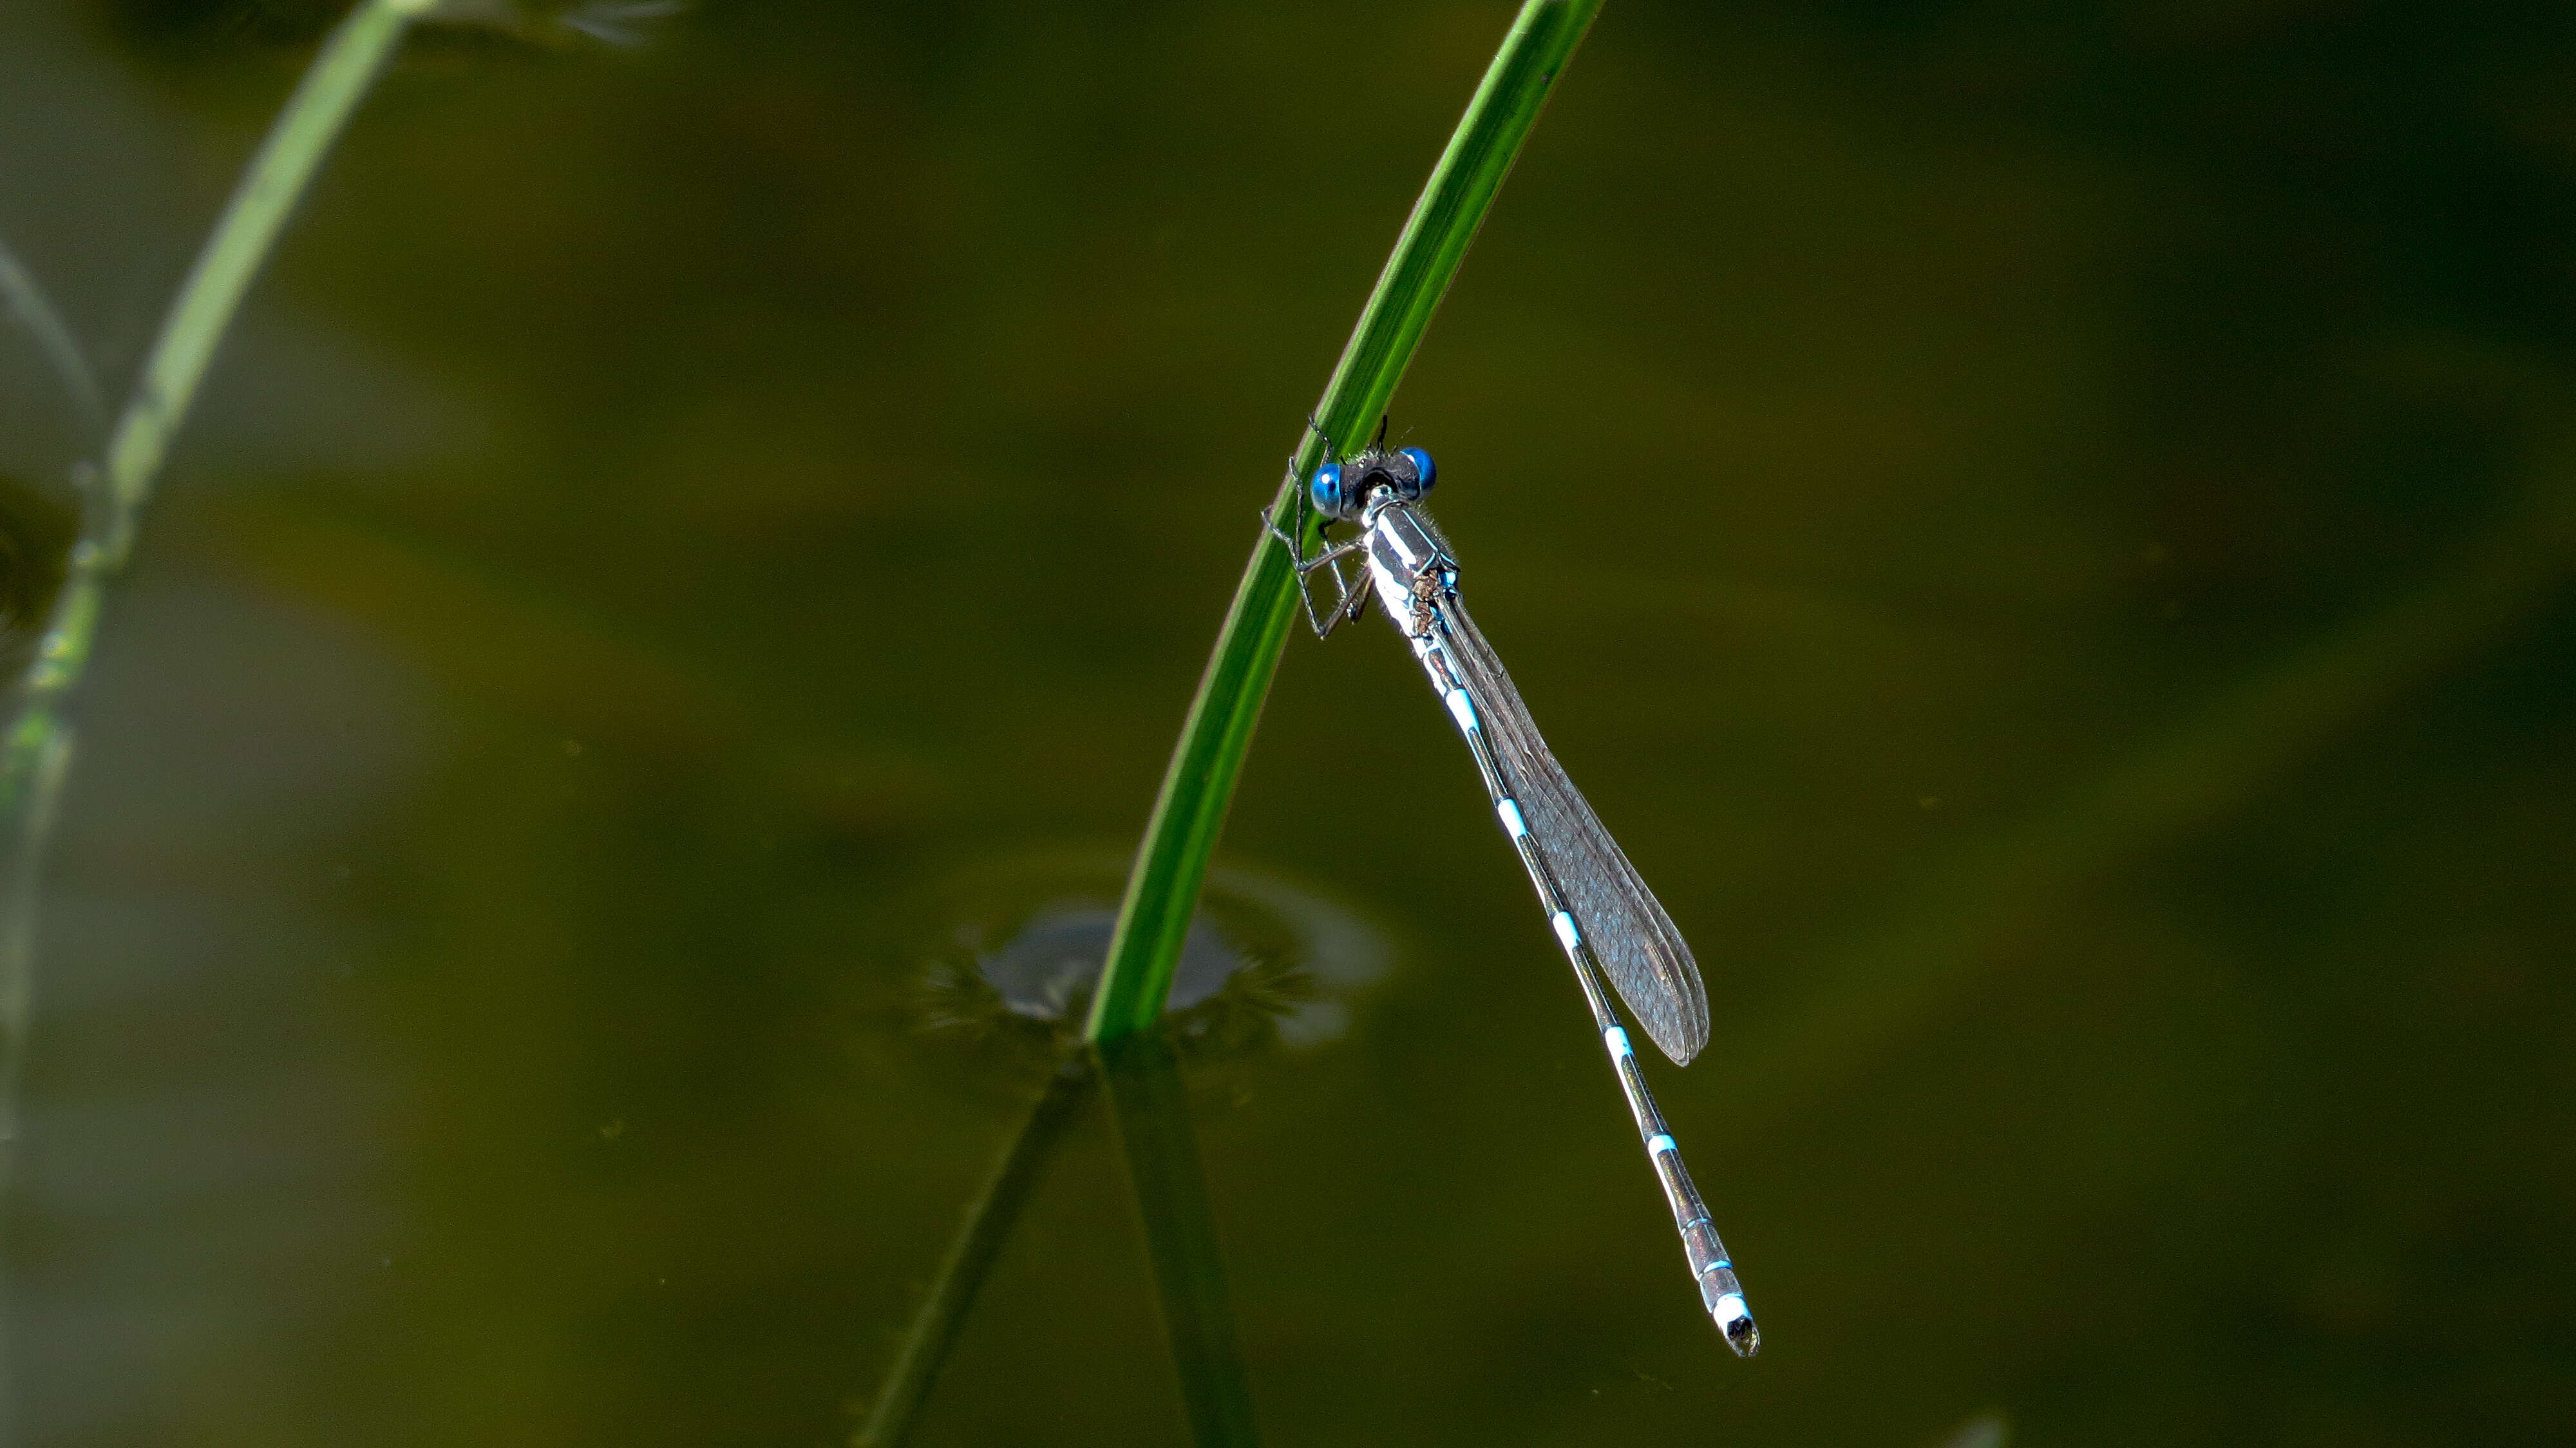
column 988, row 1223
column 340, row 76
column 1152, row 1111
column 1189, row 813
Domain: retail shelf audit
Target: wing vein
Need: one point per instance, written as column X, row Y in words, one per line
column 1636, row 942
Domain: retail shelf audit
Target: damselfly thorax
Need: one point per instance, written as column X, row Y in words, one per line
column 1409, row 564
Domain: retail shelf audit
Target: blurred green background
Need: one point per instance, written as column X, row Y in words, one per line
column 2045, row 530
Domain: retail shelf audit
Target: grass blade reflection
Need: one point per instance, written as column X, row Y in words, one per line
column 1151, row 1107
column 989, row 1219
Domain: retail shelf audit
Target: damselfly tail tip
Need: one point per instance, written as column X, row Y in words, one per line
column 1735, row 1321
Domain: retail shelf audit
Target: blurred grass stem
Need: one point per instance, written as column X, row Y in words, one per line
column 116, row 491
column 17, row 983
column 35, row 313
column 1189, row 812
column 36, row 757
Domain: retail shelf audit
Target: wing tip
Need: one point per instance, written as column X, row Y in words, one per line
column 1681, row 1042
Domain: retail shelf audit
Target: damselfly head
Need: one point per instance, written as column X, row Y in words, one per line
column 1344, row 490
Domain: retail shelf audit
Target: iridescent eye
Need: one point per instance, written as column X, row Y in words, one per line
column 1327, row 490
column 1423, row 471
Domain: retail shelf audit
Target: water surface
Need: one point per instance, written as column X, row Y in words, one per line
column 2044, row 534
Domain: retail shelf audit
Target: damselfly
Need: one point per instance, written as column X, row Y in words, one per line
column 1605, row 917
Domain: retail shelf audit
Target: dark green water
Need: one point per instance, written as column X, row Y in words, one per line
column 2045, row 531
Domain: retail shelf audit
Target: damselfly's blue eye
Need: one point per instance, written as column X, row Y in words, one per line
column 1327, row 490
column 1423, row 471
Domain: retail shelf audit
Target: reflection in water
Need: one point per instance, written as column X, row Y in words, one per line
column 1033, row 979
column 986, row 1226
column 1151, row 1107
column 1266, row 962
column 1046, row 970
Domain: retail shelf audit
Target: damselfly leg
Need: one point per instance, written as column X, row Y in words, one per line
column 1351, row 602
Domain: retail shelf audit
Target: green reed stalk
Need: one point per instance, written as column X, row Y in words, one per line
column 1189, row 813
column 340, row 76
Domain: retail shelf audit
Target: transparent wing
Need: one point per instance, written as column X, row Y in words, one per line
column 1632, row 937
